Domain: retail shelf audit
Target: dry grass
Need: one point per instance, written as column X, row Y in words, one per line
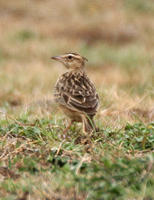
column 106, row 33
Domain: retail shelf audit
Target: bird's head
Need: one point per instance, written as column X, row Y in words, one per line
column 71, row 60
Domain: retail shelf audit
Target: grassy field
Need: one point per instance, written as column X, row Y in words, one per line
column 36, row 163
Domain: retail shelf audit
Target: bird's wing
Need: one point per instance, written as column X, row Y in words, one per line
column 77, row 92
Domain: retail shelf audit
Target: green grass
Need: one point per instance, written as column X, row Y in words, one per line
column 130, row 57
column 25, row 35
column 112, row 164
column 141, row 6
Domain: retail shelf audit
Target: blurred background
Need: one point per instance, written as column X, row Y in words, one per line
column 116, row 36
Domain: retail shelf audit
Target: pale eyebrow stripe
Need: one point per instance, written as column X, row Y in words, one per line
column 73, row 55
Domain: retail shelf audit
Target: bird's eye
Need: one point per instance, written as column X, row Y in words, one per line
column 69, row 57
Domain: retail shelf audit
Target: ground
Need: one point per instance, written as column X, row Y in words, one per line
column 36, row 162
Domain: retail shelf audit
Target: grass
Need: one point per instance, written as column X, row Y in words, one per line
column 140, row 6
column 112, row 164
column 36, row 162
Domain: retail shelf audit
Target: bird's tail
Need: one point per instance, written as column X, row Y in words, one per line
column 89, row 124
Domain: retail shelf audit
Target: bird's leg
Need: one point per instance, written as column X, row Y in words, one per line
column 84, row 126
column 88, row 125
column 68, row 127
column 87, row 130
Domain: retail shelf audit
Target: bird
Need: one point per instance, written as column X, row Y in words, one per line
column 75, row 93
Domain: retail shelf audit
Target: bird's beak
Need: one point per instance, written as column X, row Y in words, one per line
column 58, row 58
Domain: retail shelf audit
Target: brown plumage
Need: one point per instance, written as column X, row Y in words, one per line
column 75, row 93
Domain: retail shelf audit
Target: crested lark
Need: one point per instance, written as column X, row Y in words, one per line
column 75, row 93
